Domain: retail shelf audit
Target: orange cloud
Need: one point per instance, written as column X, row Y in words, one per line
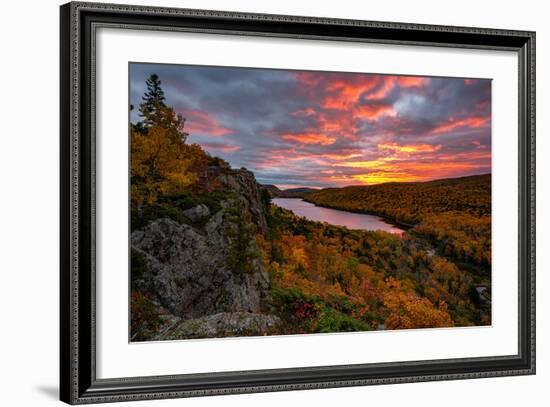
column 373, row 112
column 389, row 82
column 309, row 138
column 345, row 92
column 478, row 145
column 338, row 157
column 381, row 163
column 451, row 124
column 282, row 152
column 221, row 147
column 308, row 111
column 335, row 102
column 349, row 90
column 337, row 121
column 467, row 156
column 199, row 122
column 410, row 81
column 288, row 157
column 411, row 148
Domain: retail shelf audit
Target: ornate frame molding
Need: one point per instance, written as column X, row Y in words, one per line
column 79, row 21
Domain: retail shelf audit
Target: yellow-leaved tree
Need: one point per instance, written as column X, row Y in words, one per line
column 160, row 159
column 158, row 165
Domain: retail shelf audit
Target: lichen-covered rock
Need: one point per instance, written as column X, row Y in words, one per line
column 249, row 192
column 212, row 267
column 187, row 270
column 219, row 325
column 197, row 213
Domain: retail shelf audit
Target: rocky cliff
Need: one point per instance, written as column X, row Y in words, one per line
column 207, row 272
column 249, row 194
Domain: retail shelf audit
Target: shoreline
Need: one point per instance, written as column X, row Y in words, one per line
column 385, row 218
column 405, row 227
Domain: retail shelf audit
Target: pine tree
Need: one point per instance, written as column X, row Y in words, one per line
column 156, row 113
column 151, row 109
column 160, row 160
column 243, row 250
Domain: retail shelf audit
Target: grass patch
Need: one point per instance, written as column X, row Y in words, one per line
column 331, row 320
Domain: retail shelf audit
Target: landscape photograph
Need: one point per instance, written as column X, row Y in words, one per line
column 285, row 202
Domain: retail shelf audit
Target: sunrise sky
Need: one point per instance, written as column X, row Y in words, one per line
column 320, row 129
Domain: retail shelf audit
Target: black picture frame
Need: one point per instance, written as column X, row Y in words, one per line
column 78, row 382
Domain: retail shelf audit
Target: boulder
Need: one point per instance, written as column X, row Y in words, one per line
column 197, row 213
column 187, row 270
column 223, row 324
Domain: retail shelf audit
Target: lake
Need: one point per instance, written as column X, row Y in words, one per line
column 336, row 217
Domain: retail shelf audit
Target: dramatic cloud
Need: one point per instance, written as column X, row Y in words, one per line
column 413, row 148
column 468, row 122
column 309, row 138
column 199, row 122
column 304, row 128
column 220, row 147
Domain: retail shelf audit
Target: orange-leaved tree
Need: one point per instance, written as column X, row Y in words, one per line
column 407, row 310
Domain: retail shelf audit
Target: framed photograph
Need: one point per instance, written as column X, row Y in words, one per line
column 254, row 203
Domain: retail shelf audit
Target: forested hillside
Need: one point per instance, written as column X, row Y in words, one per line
column 328, row 279
column 410, row 202
column 455, row 213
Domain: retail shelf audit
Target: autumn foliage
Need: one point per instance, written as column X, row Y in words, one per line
column 362, row 279
column 454, row 213
column 324, row 278
column 162, row 164
column 145, row 320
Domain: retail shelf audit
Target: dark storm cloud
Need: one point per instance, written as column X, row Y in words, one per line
column 322, row 128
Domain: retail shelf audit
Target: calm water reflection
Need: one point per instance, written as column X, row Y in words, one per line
column 335, row 217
